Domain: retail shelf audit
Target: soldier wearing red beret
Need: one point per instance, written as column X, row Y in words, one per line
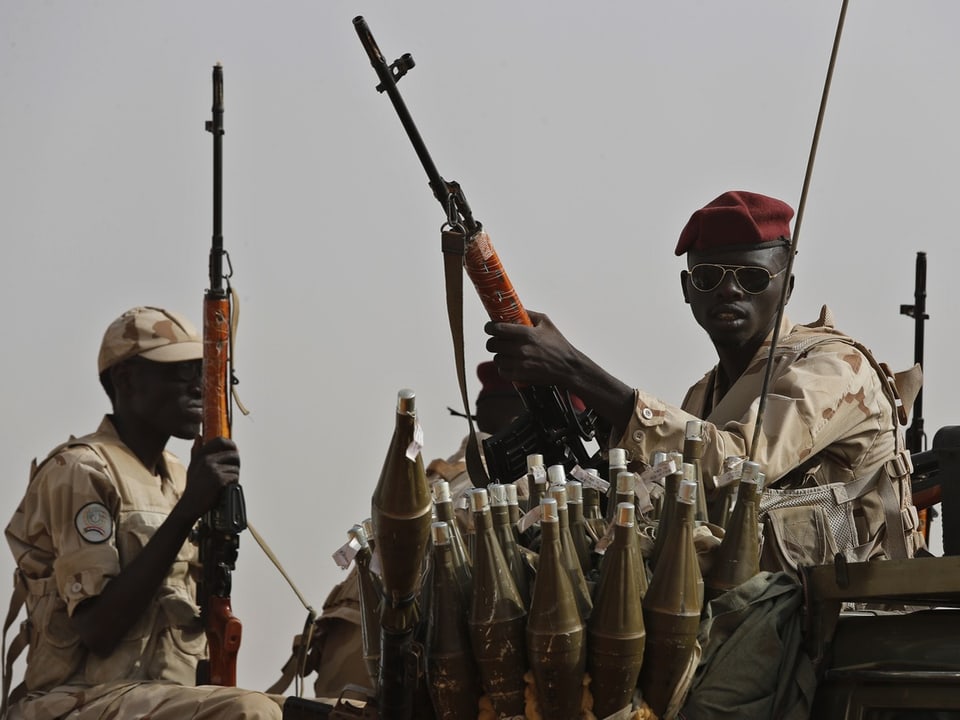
column 831, row 418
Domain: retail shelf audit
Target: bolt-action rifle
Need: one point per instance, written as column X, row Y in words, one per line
column 550, row 426
column 218, row 532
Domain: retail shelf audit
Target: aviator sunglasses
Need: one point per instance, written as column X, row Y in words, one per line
column 752, row 279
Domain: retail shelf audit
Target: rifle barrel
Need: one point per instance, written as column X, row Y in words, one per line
column 388, row 84
column 215, row 126
column 920, row 309
column 216, row 307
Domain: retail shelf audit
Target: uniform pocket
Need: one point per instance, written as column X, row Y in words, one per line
column 55, row 653
column 795, row 536
column 809, row 525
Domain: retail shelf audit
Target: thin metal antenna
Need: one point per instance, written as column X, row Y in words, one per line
column 796, row 235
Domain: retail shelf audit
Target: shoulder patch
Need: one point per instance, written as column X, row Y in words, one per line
column 94, row 523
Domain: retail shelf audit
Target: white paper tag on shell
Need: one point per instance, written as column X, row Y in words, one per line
column 346, row 553
column 413, row 449
column 603, row 543
column 658, row 472
column 642, row 494
column 462, row 501
column 589, row 480
column 531, row 517
column 724, row 479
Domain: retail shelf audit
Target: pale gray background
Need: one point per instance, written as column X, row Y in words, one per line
column 584, row 135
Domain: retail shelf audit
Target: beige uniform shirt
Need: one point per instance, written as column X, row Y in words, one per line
column 89, row 510
column 828, row 419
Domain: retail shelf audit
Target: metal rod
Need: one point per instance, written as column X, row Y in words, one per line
column 796, row 236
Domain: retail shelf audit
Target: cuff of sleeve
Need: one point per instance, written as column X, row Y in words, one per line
column 83, row 574
column 648, row 412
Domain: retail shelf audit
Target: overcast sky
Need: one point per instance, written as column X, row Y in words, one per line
column 583, row 134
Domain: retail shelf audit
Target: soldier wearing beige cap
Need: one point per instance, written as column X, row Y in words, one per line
column 101, row 544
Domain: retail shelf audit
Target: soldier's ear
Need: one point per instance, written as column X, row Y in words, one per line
column 683, row 286
column 120, row 377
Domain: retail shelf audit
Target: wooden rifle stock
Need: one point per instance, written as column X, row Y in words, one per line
column 490, row 280
column 218, row 530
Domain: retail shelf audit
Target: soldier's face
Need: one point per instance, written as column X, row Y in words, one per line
column 734, row 294
column 167, row 396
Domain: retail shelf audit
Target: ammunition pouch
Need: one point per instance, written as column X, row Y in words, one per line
column 807, row 526
column 812, row 525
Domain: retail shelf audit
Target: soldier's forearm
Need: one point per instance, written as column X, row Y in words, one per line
column 102, row 621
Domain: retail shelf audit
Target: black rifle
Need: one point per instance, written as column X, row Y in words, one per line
column 550, row 426
column 916, row 439
column 218, row 532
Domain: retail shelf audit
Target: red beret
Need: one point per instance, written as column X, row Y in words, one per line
column 737, row 218
column 491, row 384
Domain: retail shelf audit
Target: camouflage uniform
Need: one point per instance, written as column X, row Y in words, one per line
column 90, row 508
column 830, row 424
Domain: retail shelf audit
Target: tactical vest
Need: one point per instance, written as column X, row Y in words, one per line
column 810, row 524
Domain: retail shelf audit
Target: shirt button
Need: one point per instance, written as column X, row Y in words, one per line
column 76, row 587
column 647, row 413
column 638, row 435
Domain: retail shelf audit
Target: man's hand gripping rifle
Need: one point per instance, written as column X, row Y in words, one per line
column 550, row 425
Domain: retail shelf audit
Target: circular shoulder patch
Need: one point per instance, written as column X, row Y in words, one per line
column 94, row 523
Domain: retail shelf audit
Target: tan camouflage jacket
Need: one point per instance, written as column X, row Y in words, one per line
column 90, row 508
column 829, row 418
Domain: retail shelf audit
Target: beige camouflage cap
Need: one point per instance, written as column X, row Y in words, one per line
column 151, row 333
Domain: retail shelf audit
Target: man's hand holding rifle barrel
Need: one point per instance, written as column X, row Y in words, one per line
column 551, row 426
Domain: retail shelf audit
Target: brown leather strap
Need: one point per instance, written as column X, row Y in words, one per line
column 453, row 244
column 17, row 645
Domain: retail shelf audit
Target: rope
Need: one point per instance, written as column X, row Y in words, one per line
column 276, row 562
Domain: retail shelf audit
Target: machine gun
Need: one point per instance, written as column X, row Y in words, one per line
column 915, row 437
column 218, row 532
column 551, row 425
column 925, row 495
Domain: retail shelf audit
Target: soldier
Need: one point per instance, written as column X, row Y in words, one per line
column 830, row 446
column 101, row 544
